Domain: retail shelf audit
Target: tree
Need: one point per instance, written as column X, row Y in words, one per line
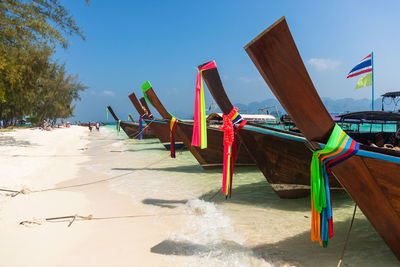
column 30, row 31
column 56, row 92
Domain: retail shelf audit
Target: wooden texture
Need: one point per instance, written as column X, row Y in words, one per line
column 212, row 156
column 214, row 153
column 372, row 183
column 135, row 102
column 131, row 129
column 144, row 104
column 112, row 113
column 159, row 128
column 283, row 161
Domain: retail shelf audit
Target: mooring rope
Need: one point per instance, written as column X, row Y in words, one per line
column 147, row 125
column 100, row 181
column 347, row 236
column 26, row 191
column 90, row 217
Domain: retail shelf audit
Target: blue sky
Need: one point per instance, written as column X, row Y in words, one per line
column 129, row 42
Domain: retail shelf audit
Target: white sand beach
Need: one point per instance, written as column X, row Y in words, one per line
column 34, row 160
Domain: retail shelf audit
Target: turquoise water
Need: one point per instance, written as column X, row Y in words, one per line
column 254, row 228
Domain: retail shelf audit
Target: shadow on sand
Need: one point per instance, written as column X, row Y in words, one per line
column 11, row 141
column 163, row 203
column 262, row 195
column 161, row 148
column 186, row 169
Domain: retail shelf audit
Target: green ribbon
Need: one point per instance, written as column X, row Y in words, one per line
column 146, row 86
column 118, row 127
column 317, row 180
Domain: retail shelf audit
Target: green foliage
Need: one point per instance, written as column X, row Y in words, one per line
column 30, row 82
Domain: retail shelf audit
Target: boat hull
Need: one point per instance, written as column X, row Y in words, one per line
column 132, row 130
column 212, row 156
column 161, row 130
column 371, row 179
column 283, row 158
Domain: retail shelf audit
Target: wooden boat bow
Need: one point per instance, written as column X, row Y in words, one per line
column 276, row 57
column 136, row 104
column 144, row 104
column 112, row 113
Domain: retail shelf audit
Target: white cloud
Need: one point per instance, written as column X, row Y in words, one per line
column 103, row 93
column 250, row 80
column 322, row 64
column 107, row 93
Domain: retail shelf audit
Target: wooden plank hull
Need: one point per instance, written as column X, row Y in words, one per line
column 373, row 183
column 283, row 158
column 132, row 130
column 158, row 127
column 161, row 130
column 213, row 155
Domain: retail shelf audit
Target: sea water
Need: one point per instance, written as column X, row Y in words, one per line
column 253, row 228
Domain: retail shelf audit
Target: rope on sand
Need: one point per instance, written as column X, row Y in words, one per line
column 26, row 191
column 347, row 237
column 72, row 218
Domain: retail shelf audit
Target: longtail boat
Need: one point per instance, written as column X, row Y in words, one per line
column 158, row 127
column 371, row 178
column 212, row 156
column 130, row 128
column 280, row 154
column 179, row 144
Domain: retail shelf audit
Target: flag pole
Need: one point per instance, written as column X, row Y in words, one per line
column 372, row 55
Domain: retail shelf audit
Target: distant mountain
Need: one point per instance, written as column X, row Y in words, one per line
column 337, row 106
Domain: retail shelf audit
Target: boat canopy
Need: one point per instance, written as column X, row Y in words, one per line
column 391, row 94
column 370, row 116
column 247, row 117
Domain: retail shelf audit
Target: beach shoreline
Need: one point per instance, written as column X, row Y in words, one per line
column 118, row 242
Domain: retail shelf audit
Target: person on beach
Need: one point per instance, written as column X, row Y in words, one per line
column 46, row 126
column 98, row 126
column 90, row 126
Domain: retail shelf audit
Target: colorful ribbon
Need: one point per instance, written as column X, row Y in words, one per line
column 146, row 86
column 107, row 112
column 199, row 137
column 118, row 127
column 148, row 115
column 130, row 117
column 230, row 148
column 339, row 148
column 140, row 127
column 172, row 127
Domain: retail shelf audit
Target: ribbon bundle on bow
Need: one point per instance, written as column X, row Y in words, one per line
column 148, row 115
column 172, row 127
column 140, row 127
column 230, row 148
column 130, row 117
column 199, row 137
column 339, row 148
column 118, row 127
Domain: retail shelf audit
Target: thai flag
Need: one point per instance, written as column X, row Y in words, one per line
column 363, row 67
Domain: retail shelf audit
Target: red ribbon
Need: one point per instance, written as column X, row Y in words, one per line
column 173, row 124
column 229, row 142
